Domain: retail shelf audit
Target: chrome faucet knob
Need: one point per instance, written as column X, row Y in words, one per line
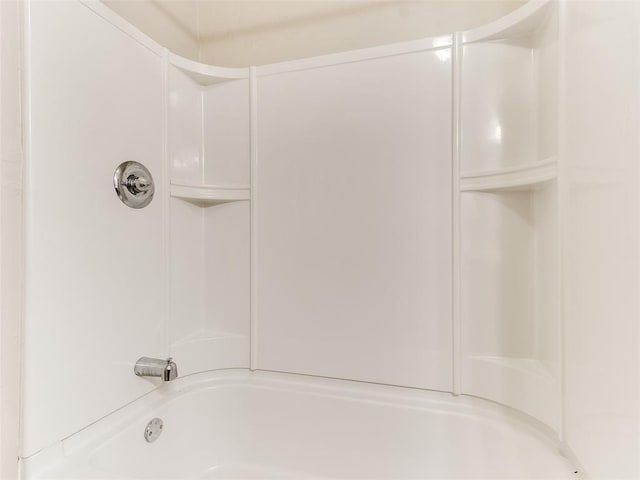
column 137, row 185
column 133, row 184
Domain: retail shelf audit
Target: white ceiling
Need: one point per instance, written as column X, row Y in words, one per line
column 209, row 20
column 255, row 32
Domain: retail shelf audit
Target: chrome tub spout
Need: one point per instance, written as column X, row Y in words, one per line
column 156, row 367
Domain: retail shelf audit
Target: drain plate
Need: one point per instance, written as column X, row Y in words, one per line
column 153, row 430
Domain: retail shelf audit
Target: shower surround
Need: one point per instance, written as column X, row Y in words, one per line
column 382, row 263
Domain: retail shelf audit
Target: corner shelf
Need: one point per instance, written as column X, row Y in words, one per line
column 525, row 384
column 523, row 177
column 520, row 22
column 204, row 74
column 205, row 195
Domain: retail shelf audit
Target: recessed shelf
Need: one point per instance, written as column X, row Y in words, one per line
column 205, row 195
column 207, row 74
column 526, row 384
column 523, row 177
column 519, row 23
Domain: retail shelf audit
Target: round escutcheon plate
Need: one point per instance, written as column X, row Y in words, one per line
column 134, row 184
column 153, row 430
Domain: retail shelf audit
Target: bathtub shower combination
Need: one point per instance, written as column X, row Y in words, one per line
column 346, row 266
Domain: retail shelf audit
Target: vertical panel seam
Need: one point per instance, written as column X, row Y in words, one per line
column 253, row 254
column 455, row 213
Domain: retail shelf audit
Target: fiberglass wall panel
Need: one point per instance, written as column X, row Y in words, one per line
column 353, row 220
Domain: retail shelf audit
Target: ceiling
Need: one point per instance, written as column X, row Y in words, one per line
column 254, row 32
column 209, row 20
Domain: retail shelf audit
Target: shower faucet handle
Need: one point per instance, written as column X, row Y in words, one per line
column 156, row 367
column 137, row 184
column 133, row 184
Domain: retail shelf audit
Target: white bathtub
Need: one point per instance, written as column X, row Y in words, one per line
column 238, row 424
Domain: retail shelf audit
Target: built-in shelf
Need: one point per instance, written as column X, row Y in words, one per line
column 519, row 23
column 523, row 177
column 207, row 74
column 209, row 194
column 526, row 384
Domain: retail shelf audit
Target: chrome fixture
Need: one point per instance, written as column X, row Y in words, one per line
column 153, row 430
column 133, row 184
column 167, row 370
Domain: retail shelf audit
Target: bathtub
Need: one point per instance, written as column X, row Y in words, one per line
column 242, row 424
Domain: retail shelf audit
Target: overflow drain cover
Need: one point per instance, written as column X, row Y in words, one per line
column 153, row 430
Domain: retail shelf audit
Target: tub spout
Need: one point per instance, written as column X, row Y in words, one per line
column 170, row 371
column 156, row 367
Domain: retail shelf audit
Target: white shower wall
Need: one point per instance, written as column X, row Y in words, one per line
column 349, row 231
column 94, row 269
column 11, row 165
column 601, row 258
column 353, row 219
column 106, row 284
